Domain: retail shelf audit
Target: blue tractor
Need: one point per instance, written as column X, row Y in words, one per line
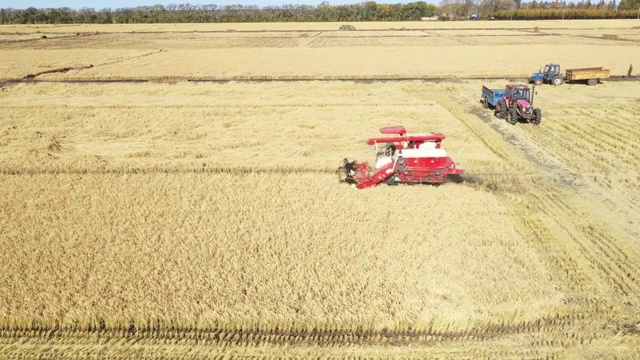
column 550, row 75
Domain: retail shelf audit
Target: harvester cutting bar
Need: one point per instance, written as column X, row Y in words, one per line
column 379, row 175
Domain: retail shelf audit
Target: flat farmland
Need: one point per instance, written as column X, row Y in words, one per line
column 317, row 51
column 146, row 215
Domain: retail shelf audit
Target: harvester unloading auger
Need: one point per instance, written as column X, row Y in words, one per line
column 406, row 158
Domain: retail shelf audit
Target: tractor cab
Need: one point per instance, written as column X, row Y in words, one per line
column 551, row 71
column 515, row 92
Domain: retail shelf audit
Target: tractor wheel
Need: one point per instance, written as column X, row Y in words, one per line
column 501, row 109
column 592, row 82
column 538, row 82
column 485, row 103
column 537, row 116
column 557, row 81
column 512, row 116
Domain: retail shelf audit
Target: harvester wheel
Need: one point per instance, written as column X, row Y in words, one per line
column 592, row 82
column 537, row 116
column 501, row 109
column 485, row 103
column 557, row 81
column 538, row 82
column 512, row 116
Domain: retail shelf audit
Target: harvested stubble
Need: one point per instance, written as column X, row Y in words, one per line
column 363, row 54
column 472, row 57
column 18, row 63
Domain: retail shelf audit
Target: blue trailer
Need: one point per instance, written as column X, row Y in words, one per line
column 490, row 97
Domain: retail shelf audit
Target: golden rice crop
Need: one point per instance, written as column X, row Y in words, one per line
column 176, row 219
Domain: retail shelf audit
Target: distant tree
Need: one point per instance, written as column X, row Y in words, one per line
column 365, row 11
column 629, row 5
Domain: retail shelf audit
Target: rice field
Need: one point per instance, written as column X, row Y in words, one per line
column 180, row 219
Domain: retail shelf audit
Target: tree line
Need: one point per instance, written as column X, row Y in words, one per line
column 188, row 13
column 540, row 10
column 365, row 11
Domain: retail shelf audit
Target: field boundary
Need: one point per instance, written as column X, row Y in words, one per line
column 48, row 37
column 256, row 79
column 355, row 23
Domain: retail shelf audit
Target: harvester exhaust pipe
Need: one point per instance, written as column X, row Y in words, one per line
column 533, row 92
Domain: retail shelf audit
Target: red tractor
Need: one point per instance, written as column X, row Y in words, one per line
column 515, row 102
column 406, row 158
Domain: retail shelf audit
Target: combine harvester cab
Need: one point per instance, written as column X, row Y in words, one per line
column 402, row 159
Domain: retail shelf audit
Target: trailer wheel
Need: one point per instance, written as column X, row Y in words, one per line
column 485, row 103
column 592, row 82
column 537, row 119
column 501, row 109
column 512, row 116
column 557, row 81
column 538, row 82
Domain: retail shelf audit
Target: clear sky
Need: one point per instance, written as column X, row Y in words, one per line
column 100, row 4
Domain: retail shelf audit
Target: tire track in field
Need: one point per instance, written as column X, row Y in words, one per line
column 580, row 246
column 48, row 38
column 569, row 274
column 327, row 336
column 578, row 151
column 32, row 78
column 601, row 152
column 605, row 252
column 531, row 151
column 614, row 265
column 586, row 256
column 623, row 127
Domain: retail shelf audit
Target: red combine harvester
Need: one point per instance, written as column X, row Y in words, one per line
column 402, row 159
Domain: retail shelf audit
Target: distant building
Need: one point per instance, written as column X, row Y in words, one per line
column 430, row 18
column 450, row 16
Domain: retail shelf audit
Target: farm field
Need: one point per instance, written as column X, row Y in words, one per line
column 144, row 215
column 316, row 51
